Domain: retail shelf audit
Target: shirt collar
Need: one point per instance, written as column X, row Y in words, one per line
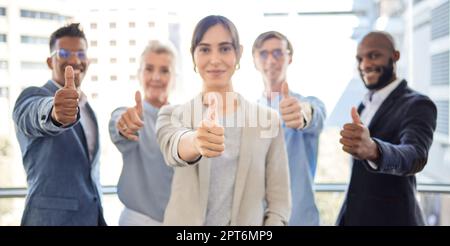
column 267, row 101
column 148, row 107
column 380, row 95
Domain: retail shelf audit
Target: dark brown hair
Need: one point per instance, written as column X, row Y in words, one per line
column 203, row 26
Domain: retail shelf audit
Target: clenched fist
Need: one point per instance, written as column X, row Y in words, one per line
column 65, row 103
column 131, row 120
column 356, row 140
column 290, row 109
column 209, row 139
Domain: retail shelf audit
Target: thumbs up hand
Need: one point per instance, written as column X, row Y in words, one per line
column 356, row 140
column 355, row 116
column 290, row 109
column 65, row 102
column 131, row 121
column 209, row 139
column 212, row 111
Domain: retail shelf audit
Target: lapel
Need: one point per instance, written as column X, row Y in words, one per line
column 97, row 138
column 204, row 166
column 387, row 104
column 245, row 159
column 82, row 141
column 51, row 87
column 77, row 129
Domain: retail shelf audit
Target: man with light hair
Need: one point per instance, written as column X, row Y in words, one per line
column 303, row 119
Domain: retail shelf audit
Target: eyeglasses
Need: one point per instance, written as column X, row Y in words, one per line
column 277, row 54
column 65, row 54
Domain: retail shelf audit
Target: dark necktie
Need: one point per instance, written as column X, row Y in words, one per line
column 361, row 108
column 80, row 132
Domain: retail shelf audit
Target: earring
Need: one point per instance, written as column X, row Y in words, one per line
column 195, row 68
column 238, row 66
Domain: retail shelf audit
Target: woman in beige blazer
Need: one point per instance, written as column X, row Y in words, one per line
column 231, row 165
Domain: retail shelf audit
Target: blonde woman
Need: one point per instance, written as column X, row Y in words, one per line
column 144, row 184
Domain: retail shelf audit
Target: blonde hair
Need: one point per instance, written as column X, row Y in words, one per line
column 160, row 47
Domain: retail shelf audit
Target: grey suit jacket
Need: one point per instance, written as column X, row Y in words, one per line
column 262, row 194
column 63, row 184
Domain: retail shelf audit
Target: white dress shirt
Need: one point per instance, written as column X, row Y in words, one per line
column 372, row 102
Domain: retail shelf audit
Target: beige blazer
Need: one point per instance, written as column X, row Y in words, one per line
column 262, row 192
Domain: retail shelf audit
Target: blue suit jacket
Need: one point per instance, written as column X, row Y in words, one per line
column 403, row 129
column 63, row 184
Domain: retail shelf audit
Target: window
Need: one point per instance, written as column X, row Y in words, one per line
column 440, row 68
column 3, row 65
column 348, row 24
column 440, row 21
column 113, row 60
column 112, row 42
column 442, row 122
column 32, row 65
column 42, row 15
column 24, row 39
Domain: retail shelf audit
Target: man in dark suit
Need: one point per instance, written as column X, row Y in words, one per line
column 389, row 142
column 58, row 136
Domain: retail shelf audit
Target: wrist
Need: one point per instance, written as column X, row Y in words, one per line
column 303, row 121
column 374, row 152
column 53, row 118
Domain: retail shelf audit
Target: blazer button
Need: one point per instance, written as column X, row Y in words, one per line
column 95, row 199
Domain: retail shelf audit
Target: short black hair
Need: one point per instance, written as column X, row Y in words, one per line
column 70, row 30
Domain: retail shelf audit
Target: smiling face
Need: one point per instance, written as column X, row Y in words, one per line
column 78, row 62
column 216, row 58
column 376, row 57
column 272, row 60
column 155, row 76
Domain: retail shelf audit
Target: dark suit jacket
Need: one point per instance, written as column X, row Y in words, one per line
column 403, row 129
column 63, row 184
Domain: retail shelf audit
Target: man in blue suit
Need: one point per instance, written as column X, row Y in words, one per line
column 389, row 139
column 58, row 136
column 303, row 119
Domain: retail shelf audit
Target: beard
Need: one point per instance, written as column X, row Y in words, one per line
column 385, row 78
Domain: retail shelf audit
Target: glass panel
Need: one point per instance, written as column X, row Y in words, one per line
column 11, row 210
column 436, row 208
